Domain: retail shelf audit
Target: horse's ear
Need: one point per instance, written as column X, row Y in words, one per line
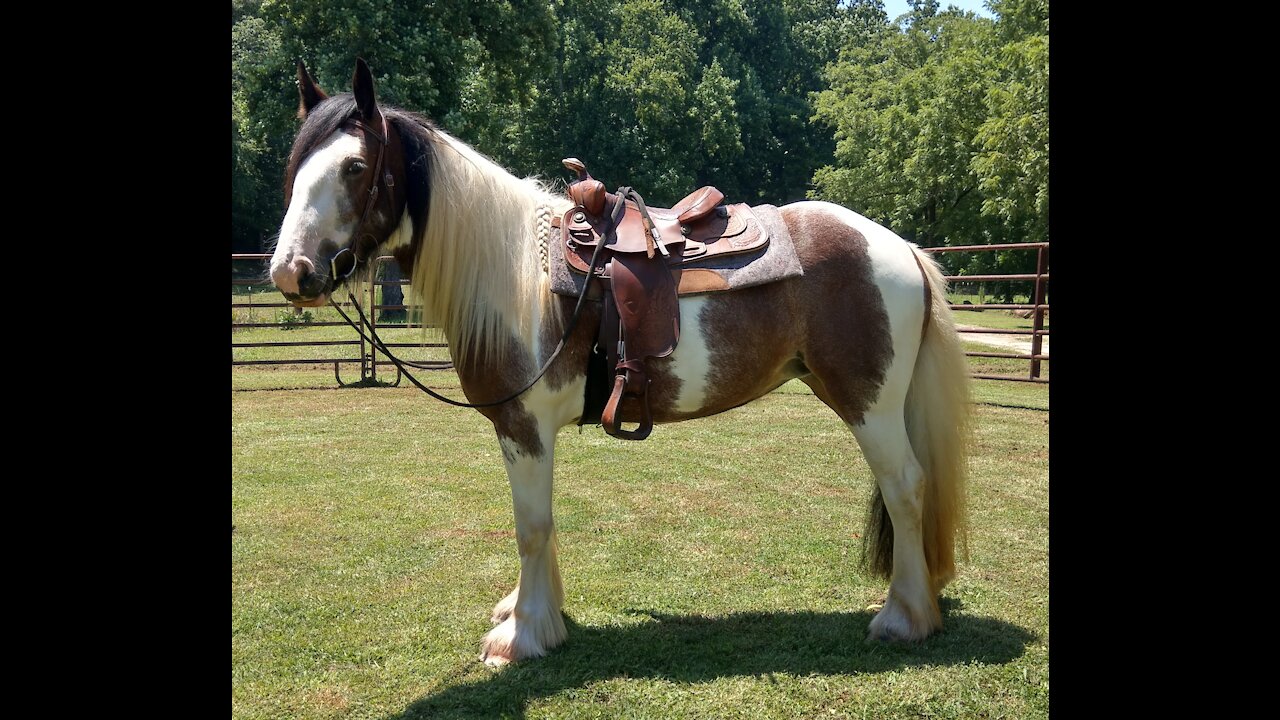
column 362, row 88
column 309, row 93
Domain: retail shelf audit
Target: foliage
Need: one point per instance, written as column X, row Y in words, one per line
column 942, row 130
column 937, row 128
column 289, row 320
column 653, row 93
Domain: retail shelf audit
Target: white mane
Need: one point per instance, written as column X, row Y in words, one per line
column 478, row 273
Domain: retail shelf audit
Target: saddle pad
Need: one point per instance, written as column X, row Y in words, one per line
column 716, row 273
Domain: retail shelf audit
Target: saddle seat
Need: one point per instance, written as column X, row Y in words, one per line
column 639, row 266
column 697, row 228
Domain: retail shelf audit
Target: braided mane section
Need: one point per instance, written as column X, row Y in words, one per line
column 543, row 229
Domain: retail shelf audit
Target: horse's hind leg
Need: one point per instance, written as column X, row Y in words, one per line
column 529, row 620
column 911, row 610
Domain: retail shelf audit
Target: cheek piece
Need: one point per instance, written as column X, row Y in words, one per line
column 344, row 262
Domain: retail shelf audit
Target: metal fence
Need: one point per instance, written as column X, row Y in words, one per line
column 369, row 359
column 1039, row 307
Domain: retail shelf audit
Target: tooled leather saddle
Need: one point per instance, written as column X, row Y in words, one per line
column 638, row 253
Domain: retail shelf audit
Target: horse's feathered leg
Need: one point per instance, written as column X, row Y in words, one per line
column 529, row 620
column 911, row 610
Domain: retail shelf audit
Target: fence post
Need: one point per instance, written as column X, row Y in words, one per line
column 1037, row 324
column 373, row 316
column 363, row 357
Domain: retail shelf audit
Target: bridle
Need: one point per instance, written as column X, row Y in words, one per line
column 372, row 336
column 378, row 178
column 373, row 339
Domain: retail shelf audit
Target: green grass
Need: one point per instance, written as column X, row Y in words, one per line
column 1000, row 319
column 710, row 571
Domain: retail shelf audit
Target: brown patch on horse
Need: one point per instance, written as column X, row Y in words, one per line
column 488, row 381
column 572, row 363
column 754, row 341
column 848, row 344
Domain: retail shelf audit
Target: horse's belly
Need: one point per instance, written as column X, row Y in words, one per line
column 733, row 348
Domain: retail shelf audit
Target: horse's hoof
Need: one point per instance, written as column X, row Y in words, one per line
column 494, row 661
column 896, row 623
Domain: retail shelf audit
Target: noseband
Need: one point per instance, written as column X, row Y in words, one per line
column 378, row 177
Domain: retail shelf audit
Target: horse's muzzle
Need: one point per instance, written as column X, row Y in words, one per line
column 301, row 284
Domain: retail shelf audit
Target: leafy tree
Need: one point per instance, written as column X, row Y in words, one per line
column 1013, row 161
column 938, row 128
column 456, row 60
column 941, row 130
column 667, row 96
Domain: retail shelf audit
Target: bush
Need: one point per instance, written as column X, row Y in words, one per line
column 288, row 320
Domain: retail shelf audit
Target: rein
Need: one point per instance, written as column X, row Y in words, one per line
column 373, row 339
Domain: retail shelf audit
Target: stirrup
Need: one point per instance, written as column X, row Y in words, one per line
column 609, row 418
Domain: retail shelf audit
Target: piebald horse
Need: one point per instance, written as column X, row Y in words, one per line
column 866, row 326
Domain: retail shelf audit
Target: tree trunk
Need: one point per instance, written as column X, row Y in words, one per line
column 392, row 294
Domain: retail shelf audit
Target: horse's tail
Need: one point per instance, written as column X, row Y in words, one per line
column 937, row 417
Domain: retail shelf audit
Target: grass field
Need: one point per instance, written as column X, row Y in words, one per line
column 710, row 572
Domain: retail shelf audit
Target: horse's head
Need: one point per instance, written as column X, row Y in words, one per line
column 345, row 190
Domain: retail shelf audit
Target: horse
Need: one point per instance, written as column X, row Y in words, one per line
column 866, row 326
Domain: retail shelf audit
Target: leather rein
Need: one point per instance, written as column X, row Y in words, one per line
column 373, row 339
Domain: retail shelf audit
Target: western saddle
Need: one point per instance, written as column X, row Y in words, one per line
column 640, row 255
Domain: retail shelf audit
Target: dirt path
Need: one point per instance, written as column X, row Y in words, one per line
column 1015, row 343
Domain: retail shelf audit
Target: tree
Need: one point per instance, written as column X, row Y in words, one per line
column 452, row 59
column 667, row 96
column 941, row 130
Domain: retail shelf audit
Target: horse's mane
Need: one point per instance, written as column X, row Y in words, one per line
column 476, row 270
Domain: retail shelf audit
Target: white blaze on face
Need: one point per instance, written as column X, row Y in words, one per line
column 319, row 198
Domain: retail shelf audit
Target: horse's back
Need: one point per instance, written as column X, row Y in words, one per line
column 844, row 317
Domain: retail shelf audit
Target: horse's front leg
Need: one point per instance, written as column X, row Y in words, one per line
column 529, row 620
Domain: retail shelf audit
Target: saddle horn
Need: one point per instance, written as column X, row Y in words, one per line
column 586, row 190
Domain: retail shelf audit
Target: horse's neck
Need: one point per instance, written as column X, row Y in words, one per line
column 481, row 277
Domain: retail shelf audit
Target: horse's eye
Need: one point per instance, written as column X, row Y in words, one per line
column 355, row 168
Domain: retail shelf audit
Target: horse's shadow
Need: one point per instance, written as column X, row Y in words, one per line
column 695, row 648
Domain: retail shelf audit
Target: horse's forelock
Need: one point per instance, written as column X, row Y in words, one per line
column 323, row 120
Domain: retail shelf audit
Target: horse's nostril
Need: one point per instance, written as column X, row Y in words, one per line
column 310, row 284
